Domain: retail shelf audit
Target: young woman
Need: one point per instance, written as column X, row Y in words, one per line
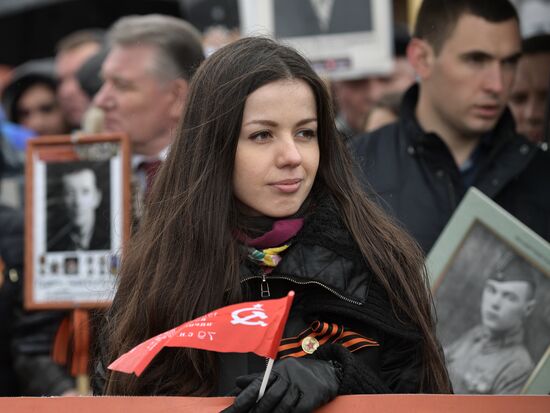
column 258, row 164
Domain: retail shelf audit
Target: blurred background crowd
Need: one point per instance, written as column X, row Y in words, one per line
column 79, row 65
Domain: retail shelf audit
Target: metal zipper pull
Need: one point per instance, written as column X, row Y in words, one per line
column 264, row 287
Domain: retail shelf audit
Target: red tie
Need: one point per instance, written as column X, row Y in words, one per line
column 150, row 168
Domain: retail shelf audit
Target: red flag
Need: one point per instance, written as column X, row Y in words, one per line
column 241, row 328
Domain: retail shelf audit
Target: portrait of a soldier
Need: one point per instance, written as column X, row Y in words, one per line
column 492, row 358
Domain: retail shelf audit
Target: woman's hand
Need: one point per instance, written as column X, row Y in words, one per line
column 295, row 385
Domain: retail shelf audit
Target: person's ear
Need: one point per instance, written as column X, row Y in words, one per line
column 421, row 56
column 179, row 91
column 529, row 307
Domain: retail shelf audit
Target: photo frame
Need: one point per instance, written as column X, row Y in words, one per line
column 77, row 219
column 490, row 277
column 341, row 42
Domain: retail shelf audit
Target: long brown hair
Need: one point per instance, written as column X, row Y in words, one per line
column 184, row 261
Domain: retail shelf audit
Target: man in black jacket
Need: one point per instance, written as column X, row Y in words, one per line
column 455, row 130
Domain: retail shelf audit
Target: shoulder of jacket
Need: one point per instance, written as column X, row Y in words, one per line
column 378, row 136
column 527, row 158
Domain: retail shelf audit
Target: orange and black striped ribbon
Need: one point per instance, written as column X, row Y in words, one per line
column 72, row 342
column 324, row 333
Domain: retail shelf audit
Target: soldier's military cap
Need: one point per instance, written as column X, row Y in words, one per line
column 515, row 269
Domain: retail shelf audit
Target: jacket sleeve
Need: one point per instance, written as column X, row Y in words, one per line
column 357, row 377
column 400, row 364
column 394, row 366
column 99, row 366
column 397, row 369
column 40, row 376
column 34, row 334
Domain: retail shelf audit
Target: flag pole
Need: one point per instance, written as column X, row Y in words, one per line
column 270, row 362
column 266, row 378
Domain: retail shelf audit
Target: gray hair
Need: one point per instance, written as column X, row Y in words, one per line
column 178, row 43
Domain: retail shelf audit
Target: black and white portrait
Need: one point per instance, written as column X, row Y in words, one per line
column 295, row 18
column 493, row 317
column 343, row 39
column 71, row 265
column 78, row 206
column 78, row 209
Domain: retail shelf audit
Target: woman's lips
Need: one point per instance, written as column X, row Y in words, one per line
column 287, row 186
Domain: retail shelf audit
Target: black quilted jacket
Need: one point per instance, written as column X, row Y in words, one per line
column 333, row 285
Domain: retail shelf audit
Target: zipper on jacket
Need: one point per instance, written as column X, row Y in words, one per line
column 264, row 287
column 294, row 281
column 264, row 293
column 450, row 189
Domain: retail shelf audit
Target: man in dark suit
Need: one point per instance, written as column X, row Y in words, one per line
column 295, row 18
column 146, row 76
column 81, row 198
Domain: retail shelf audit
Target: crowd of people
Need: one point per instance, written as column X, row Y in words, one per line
column 253, row 177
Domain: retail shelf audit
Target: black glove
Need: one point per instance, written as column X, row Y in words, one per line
column 295, row 385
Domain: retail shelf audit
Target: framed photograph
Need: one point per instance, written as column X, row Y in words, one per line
column 490, row 276
column 342, row 39
column 77, row 219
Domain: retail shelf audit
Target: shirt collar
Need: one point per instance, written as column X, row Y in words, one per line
column 505, row 126
column 138, row 158
column 499, row 340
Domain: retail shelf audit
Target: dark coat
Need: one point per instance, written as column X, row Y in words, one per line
column 419, row 183
column 26, row 337
column 63, row 241
column 298, row 18
column 11, row 251
column 34, row 334
column 333, row 285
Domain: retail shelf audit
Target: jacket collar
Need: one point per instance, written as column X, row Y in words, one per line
column 324, row 255
column 323, row 252
column 503, row 131
column 512, row 152
column 494, row 342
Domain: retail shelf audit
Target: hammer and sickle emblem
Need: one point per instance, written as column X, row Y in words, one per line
column 256, row 312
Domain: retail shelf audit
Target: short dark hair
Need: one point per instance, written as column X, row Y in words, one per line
column 401, row 39
column 437, row 18
column 76, row 39
column 536, row 44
